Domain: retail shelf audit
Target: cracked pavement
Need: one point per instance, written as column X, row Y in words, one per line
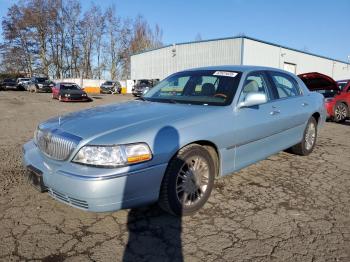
column 285, row 208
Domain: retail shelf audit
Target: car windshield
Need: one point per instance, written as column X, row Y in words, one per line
column 203, row 87
column 108, row 83
column 69, row 87
column 342, row 85
column 41, row 79
column 143, row 82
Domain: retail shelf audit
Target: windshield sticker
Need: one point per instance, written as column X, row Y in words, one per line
column 225, row 73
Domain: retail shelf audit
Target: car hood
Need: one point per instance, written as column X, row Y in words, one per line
column 102, row 120
column 316, row 81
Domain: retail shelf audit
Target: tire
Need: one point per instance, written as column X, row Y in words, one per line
column 180, row 182
column 306, row 146
column 341, row 112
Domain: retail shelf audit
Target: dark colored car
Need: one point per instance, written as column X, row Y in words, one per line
column 336, row 94
column 40, row 84
column 111, row 87
column 8, row 83
column 142, row 86
column 69, row 92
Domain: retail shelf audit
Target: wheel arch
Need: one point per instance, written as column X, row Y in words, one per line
column 317, row 116
column 212, row 149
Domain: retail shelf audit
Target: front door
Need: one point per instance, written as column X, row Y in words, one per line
column 256, row 125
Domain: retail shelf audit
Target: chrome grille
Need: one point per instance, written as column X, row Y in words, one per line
column 55, row 146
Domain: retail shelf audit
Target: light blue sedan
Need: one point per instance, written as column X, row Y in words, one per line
column 170, row 145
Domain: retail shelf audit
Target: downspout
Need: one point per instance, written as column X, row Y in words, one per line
column 242, row 50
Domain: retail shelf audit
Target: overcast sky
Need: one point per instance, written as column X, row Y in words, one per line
column 319, row 26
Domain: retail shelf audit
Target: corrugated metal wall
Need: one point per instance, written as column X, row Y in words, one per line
column 165, row 61
column 162, row 62
column 258, row 53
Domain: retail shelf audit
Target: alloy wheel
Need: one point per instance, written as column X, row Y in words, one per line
column 192, row 181
column 310, row 136
column 340, row 112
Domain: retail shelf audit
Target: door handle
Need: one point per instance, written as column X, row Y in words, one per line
column 304, row 104
column 275, row 112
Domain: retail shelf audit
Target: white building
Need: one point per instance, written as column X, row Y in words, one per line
column 161, row 62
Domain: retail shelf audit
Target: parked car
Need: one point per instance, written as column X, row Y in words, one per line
column 142, row 86
column 69, row 92
column 111, row 87
column 8, row 83
column 170, row 145
column 22, row 83
column 337, row 95
column 40, row 84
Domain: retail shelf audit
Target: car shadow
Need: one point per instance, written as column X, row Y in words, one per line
column 154, row 235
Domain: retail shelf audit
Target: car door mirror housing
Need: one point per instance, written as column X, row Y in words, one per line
column 253, row 99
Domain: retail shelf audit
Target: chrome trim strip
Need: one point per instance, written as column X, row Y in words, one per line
column 260, row 138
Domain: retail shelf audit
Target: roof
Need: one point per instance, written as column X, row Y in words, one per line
column 238, row 68
column 249, row 38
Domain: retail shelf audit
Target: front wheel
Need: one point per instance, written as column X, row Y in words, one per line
column 306, row 146
column 341, row 112
column 188, row 181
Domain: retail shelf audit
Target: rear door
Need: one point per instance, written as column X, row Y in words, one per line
column 292, row 105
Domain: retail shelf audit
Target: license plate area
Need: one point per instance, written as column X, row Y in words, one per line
column 35, row 178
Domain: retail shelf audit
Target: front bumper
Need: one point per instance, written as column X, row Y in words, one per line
column 95, row 189
column 105, row 90
column 80, row 99
column 330, row 109
column 44, row 89
column 137, row 92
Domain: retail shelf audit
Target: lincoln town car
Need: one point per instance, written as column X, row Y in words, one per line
column 170, row 144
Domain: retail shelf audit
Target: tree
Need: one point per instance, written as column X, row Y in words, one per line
column 54, row 38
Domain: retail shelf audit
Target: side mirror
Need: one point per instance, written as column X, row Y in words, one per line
column 253, row 99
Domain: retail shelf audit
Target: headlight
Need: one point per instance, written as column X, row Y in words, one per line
column 113, row 156
column 83, row 94
column 67, row 95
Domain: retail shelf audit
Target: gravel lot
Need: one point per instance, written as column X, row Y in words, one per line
column 286, row 208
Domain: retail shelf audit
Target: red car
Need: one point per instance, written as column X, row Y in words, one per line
column 337, row 94
column 69, row 92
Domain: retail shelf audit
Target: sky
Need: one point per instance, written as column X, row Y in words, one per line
column 317, row 26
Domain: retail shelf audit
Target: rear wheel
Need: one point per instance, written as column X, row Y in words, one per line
column 306, row 146
column 341, row 112
column 188, row 181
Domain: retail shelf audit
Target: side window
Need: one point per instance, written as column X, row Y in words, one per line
column 286, row 86
column 254, row 83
